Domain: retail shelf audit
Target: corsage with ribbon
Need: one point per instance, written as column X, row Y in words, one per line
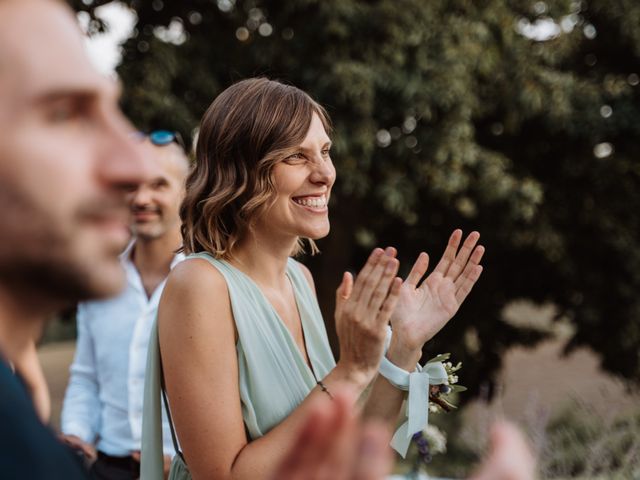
column 427, row 387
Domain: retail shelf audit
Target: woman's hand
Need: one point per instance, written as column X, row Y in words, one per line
column 363, row 310
column 422, row 311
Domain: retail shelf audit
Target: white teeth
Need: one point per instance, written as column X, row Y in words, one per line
column 315, row 202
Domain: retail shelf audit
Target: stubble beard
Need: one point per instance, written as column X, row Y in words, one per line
column 41, row 262
column 148, row 233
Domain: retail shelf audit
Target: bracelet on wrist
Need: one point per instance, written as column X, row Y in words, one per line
column 324, row 388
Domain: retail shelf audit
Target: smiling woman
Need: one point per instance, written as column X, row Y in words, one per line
column 253, row 129
column 302, row 184
column 243, row 343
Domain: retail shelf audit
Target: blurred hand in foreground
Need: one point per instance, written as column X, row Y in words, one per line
column 509, row 457
column 333, row 445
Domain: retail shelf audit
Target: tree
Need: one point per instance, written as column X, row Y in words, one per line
column 447, row 114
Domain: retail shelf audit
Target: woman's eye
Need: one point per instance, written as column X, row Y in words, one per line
column 326, row 152
column 295, row 158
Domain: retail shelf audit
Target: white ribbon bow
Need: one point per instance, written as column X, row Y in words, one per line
column 417, row 410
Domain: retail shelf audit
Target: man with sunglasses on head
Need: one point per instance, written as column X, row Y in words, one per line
column 103, row 403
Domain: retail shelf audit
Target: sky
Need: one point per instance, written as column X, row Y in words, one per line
column 104, row 49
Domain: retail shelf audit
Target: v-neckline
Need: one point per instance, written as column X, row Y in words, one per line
column 303, row 324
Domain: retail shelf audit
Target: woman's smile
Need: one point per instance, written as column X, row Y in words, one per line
column 313, row 203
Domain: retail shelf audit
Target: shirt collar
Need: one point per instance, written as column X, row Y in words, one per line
column 177, row 258
column 126, row 253
column 125, row 257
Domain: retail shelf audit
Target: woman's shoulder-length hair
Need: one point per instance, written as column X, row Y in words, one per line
column 247, row 129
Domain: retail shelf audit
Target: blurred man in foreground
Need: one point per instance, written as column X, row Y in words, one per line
column 66, row 163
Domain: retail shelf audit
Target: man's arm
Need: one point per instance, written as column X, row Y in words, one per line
column 81, row 407
column 29, row 368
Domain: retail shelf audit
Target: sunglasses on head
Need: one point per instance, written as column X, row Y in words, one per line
column 161, row 138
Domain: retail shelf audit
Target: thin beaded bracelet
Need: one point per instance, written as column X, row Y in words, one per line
column 325, row 389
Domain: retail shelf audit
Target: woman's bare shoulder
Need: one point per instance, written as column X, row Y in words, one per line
column 196, row 291
column 195, row 275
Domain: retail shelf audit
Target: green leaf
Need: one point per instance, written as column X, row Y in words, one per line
column 443, row 357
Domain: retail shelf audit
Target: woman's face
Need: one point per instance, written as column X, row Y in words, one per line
column 303, row 184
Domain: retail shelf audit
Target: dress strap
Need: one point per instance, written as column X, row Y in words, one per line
column 174, row 437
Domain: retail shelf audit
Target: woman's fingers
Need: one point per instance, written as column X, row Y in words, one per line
column 345, row 289
column 449, row 254
column 477, row 255
column 475, row 259
column 346, row 286
column 472, row 271
column 468, row 282
column 461, row 259
column 367, row 282
column 343, row 292
column 390, row 303
column 376, row 255
column 381, row 291
column 418, row 270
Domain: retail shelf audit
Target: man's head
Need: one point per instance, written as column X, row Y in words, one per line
column 155, row 203
column 66, row 160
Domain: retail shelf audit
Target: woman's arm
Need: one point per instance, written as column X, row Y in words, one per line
column 197, row 340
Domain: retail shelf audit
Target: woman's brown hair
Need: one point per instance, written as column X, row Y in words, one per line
column 248, row 128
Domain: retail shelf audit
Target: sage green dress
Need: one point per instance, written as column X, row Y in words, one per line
column 274, row 377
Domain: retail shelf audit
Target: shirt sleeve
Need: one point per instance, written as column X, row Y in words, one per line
column 81, row 407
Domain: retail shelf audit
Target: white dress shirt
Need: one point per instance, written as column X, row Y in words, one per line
column 103, row 401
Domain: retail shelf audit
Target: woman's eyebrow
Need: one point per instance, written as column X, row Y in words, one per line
column 306, row 149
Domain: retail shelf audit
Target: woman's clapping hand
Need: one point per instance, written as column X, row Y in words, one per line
column 423, row 310
column 363, row 310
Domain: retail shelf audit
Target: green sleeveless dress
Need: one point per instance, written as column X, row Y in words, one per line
column 274, row 377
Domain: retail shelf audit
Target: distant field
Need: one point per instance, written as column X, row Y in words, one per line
column 535, row 384
column 532, row 380
column 55, row 359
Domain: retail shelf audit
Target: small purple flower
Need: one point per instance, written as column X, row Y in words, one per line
column 424, row 453
column 445, row 389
